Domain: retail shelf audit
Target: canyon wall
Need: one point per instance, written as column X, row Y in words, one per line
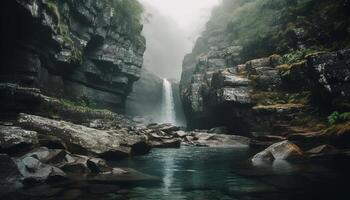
column 264, row 67
column 89, row 52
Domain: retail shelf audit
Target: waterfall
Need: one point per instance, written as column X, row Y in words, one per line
column 168, row 111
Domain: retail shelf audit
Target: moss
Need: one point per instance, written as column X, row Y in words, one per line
column 62, row 29
column 273, row 98
column 52, row 6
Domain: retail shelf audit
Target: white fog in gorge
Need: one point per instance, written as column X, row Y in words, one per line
column 171, row 28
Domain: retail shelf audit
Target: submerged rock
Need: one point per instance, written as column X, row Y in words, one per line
column 284, row 150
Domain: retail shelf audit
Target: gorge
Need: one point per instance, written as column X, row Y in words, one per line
column 174, row 99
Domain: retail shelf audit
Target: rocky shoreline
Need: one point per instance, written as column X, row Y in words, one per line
column 37, row 150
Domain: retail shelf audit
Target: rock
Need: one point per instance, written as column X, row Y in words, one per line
column 112, row 145
column 34, row 171
column 76, row 164
column 217, row 140
column 9, row 172
column 48, row 156
column 14, row 140
column 98, row 165
column 166, row 143
column 181, row 134
column 322, row 151
column 167, row 128
column 284, row 150
column 219, row 130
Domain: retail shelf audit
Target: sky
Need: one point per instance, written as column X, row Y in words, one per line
column 171, row 31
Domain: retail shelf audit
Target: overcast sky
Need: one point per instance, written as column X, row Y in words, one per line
column 172, row 31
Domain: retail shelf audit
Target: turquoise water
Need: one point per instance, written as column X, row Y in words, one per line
column 226, row 173
column 195, row 173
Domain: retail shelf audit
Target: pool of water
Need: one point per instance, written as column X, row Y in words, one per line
column 226, row 173
column 196, row 173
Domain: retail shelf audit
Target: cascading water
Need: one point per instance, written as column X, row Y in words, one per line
column 168, row 110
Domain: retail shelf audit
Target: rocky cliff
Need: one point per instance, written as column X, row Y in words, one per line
column 88, row 52
column 269, row 67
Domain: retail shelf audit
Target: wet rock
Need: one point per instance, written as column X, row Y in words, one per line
column 284, row 150
column 167, row 128
column 76, row 164
column 10, row 176
column 49, row 156
column 35, row 171
column 219, row 130
column 165, row 143
column 97, row 165
column 111, row 145
column 14, row 140
column 322, row 151
column 217, row 140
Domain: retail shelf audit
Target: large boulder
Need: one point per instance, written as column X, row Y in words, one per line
column 112, row 145
column 14, row 140
column 284, row 150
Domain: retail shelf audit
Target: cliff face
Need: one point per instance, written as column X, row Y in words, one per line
column 88, row 51
column 267, row 67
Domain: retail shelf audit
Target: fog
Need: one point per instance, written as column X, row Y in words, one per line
column 171, row 28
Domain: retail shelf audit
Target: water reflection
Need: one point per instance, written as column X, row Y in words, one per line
column 226, row 173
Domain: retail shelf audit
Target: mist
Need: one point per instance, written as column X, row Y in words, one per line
column 171, row 28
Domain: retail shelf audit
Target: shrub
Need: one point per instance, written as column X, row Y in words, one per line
column 336, row 117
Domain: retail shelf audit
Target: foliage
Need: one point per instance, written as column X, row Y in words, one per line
column 82, row 101
column 337, row 117
column 130, row 12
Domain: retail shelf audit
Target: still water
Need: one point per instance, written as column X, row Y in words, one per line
column 194, row 173
column 226, row 173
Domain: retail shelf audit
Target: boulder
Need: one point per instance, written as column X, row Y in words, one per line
column 284, row 150
column 15, row 140
column 112, row 145
column 35, row 171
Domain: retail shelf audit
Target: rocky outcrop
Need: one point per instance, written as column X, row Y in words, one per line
column 85, row 52
column 234, row 77
column 84, row 140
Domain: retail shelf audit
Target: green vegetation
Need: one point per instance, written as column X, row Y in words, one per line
column 336, row 117
column 273, row 98
column 291, row 27
column 130, row 13
column 82, row 101
column 63, row 30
